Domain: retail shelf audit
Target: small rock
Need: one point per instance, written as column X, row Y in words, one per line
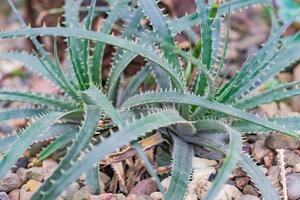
column 291, row 158
column 156, row 196
column 241, row 182
column 293, row 185
column 249, row 189
column 146, row 187
column 138, row 197
column 296, row 99
column 268, row 159
column 105, row 196
column 269, row 109
column 4, row 196
column 280, row 141
column 166, row 182
column 285, row 77
column 48, row 167
column 14, row 194
column 70, row 191
column 199, row 188
column 35, row 173
column 274, row 171
column 10, row 182
column 288, row 170
column 229, row 192
column 119, row 197
column 296, row 168
column 203, row 173
column 83, row 193
column 285, row 109
column 22, row 174
column 238, row 172
column 249, row 197
column 22, row 162
column 259, row 150
column 203, row 163
column 264, row 170
column 273, row 175
column 33, row 185
column 24, row 195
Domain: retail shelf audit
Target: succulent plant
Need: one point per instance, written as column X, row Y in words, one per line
column 188, row 110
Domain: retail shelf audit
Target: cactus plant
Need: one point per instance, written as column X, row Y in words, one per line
column 187, row 110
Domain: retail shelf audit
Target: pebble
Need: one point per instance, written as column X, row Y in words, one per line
column 241, row 182
column 268, row 159
column 285, row 109
column 48, row 167
column 25, row 195
column 83, row 193
column 198, row 188
column 119, row 197
column 70, row 191
column 4, row 196
column 249, row 189
column 9, row 182
column 269, row 109
column 146, row 187
column 260, row 150
column 296, row 99
column 273, row 175
column 238, row 172
column 14, row 194
column 32, row 185
column 296, row 168
column 35, row 173
column 229, row 192
column 156, row 196
column 291, row 158
column 249, row 197
column 281, row 141
column 22, row 162
column 22, row 174
column 203, row 163
column 203, row 168
column 293, row 185
column 285, row 76
column 106, row 196
column 203, row 173
column 166, row 182
column 138, row 197
column 201, row 186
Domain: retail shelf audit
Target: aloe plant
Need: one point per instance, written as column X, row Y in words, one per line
column 186, row 116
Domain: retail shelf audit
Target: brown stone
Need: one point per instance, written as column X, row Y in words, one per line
column 33, row 185
column 145, row 187
column 259, row 150
column 268, row 159
column 281, row 141
column 14, row 194
column 138, row 197
column 249, row 189
column 241, row 182
column 48, row 167
column 10, row 182
column 25, row 195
